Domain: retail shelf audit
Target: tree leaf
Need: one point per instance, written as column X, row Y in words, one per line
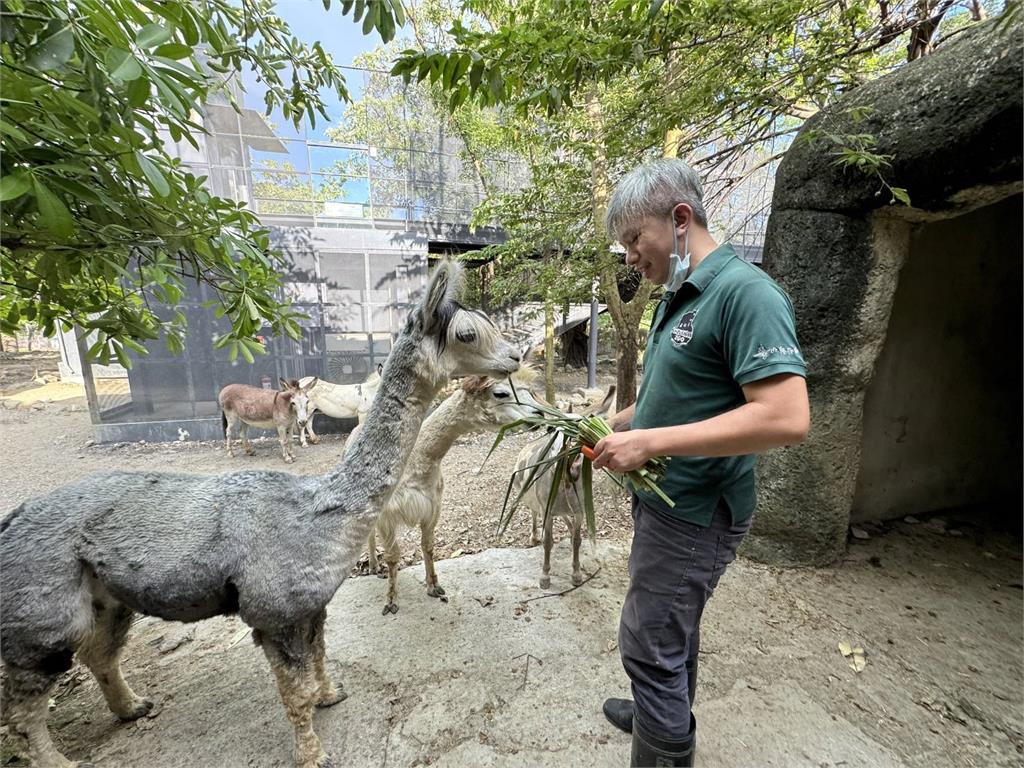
column 899, row 193
column 121, row 65
column 175, row 51
column 14, row 185
column 54, row 216
column 153, row 35
column 155, row 176
column 138, row 92
column 52, row 52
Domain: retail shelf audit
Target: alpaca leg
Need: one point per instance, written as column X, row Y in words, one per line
column 328, row 693
column 549, row 540
column 577, row 538
column 282, row 437
column 26, row 710
column 427, row 543
column 291, row 659
column 392, row 554
column 101, row 653
column 243, row 432
column 373, row 565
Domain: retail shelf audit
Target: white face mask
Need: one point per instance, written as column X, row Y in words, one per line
column 678, row 266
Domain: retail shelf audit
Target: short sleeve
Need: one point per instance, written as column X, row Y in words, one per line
column 759, row 333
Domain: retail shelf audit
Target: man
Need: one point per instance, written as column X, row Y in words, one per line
column 723, row 380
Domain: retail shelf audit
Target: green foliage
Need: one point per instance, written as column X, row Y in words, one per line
column 100, row 226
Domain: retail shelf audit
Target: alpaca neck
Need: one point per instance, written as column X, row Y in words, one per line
column 441, row 429
column 363, row 482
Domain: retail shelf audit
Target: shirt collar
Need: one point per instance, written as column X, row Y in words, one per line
column 710, row 266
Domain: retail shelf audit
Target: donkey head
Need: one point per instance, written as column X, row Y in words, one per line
column 297, row 398
column 492, row 403
column 455, row 340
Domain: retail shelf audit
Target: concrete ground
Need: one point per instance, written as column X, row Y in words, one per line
column 503, row 675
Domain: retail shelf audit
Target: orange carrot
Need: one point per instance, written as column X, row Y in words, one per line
column 587, row 451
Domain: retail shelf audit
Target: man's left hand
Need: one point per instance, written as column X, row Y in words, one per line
column 622, row 451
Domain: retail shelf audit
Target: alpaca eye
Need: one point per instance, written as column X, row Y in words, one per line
column 501, row 395
column 466, row 336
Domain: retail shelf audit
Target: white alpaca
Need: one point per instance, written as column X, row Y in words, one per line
column 479, row 405
column 339, row 401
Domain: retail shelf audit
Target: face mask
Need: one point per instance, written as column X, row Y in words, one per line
column 678, row 266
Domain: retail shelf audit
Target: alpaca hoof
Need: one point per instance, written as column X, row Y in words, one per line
column 577, row 579
column 288, row 459
column 314, row 440
column 139, row 708
column 534, row 541
column 545, row 582
column 389, row 608
column 331, row 697
column 381, row 573
column 436, row 591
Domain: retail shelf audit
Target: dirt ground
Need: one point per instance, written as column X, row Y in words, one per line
column 935, row 604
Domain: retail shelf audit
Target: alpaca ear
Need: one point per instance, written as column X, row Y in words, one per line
column 436, row 296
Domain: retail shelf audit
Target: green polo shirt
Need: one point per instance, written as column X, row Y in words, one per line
column 728, row 325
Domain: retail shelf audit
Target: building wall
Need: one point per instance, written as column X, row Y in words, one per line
column 943, row 414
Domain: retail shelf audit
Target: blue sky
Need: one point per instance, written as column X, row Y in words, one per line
column 344, row 40
column 339, row 36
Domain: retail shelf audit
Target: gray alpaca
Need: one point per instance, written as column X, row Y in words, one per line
column 270, row 546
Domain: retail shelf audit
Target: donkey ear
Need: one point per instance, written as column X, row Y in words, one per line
column 311, row 384
column 286, row 385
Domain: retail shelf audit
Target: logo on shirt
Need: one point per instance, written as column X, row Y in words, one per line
column 683, row 331
column 763, row 352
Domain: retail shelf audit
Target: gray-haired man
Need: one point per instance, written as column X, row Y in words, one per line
column 723, row 380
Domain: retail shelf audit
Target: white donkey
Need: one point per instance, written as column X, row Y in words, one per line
column 479, row 405
column 339, row 401
column 281, row 409
column 567, row 503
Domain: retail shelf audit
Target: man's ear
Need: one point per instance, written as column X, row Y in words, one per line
column 682, row 217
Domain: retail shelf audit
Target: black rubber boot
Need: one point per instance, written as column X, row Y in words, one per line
column 649, row 750
column 619, row 713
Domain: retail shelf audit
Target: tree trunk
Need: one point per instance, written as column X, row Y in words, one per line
column 549, row 351
column 626, row 355
column 625, row 315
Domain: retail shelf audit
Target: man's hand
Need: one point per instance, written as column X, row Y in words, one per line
column 622, row 451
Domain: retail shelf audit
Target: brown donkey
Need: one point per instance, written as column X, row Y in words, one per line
column 265, row 408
